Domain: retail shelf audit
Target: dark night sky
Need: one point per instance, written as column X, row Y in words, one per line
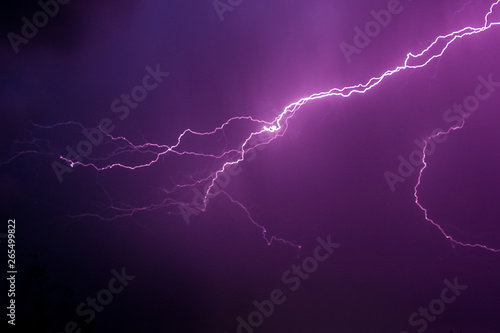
column 323, row 178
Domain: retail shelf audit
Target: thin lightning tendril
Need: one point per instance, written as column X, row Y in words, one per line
column 415, row 191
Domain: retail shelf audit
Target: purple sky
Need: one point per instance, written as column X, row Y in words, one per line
column 324, row 178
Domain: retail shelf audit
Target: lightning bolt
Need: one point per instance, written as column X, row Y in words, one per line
column 415, row 193
column 264, row 133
